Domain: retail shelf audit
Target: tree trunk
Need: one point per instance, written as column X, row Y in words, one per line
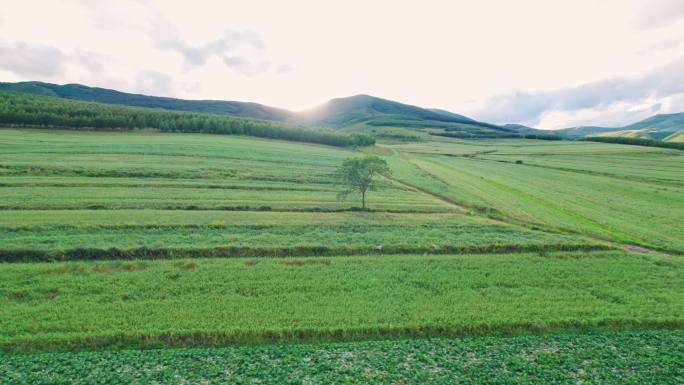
column 363, row 200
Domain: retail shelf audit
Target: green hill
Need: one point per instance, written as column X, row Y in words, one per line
column 661, row 122
column 657, row 127
column 361, row 113
column 676, row 137
column 451, row 114
column 29, row 110
column 103, row 95
column 342, row 112
column 365, row 113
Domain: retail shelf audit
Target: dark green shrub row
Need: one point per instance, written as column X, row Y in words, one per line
column 467, row 135
column 636, row 141
column 542, row 136
column 83, row 254
column 397, row 137
column 43, row 111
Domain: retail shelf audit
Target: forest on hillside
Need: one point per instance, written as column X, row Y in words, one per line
column 31, row 110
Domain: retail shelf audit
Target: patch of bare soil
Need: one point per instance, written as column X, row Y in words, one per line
column 639, row 249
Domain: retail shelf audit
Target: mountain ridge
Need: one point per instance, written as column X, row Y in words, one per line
column 658, row 127
column 356, row 113
column 360, row 112
column 82, row 92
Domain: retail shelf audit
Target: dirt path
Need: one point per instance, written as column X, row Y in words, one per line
column 442, row 199
column 642, row 250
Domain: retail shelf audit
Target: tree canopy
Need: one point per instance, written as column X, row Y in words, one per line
column 32, row 110
column 358, row 175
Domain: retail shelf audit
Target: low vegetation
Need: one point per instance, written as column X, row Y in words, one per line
column 141, row 239
column 624, row 194
column 636, row 141
column 218, row 302
column 628, row 357
column 152, row 234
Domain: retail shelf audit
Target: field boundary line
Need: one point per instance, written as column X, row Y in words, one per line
column 215, row 339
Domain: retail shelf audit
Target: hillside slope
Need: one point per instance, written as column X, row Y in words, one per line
column 103, row 95
column 676, row 137
column 354, row 109
column 379, row 117
column 28, row 110
column 657, row 127
column 386, row 119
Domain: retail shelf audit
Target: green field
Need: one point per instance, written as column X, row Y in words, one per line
column 191, row 171
column 112, row 240
column 214, row 302
column 629, row 357
column 98, row 234
column 625, row 194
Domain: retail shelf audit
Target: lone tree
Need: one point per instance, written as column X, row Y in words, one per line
column 357, row 175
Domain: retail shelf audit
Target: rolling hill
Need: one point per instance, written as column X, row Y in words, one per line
column 342, row 112
column 658, row 127
column 103, row 95
column 387, row 118
column 379, row 117
column 677, row 137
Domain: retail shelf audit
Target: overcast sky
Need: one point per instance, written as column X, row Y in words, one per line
column 544, row 63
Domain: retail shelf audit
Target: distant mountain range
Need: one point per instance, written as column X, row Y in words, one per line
column 380, row 117
column 104, row 95
column 659, row 127
column 361, row 108
column 364, row 113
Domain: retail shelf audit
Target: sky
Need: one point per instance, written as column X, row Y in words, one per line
column 544, row 63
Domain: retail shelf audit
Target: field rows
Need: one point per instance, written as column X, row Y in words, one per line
column 128, row 234
column 612, row 208
column 459, row 241
column 218, row 302
column 628, row 357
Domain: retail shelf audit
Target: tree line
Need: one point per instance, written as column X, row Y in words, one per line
column 636, row 141
column 32, row 110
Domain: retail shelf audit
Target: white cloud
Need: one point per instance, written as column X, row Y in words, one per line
column 596, row 101
column 659, row 13
column 31, row 59
column 456, row 55
column 663, row 45
column 154, row 82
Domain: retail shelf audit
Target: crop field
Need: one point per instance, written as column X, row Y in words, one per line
column 46, row 235
column 629, row 195
column 152, row 171
column 500, row 260
column 214, row 302
column 628, row 357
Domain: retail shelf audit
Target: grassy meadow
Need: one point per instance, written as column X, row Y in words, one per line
column 142, row 240
column 214, row 302
column 625, row 194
